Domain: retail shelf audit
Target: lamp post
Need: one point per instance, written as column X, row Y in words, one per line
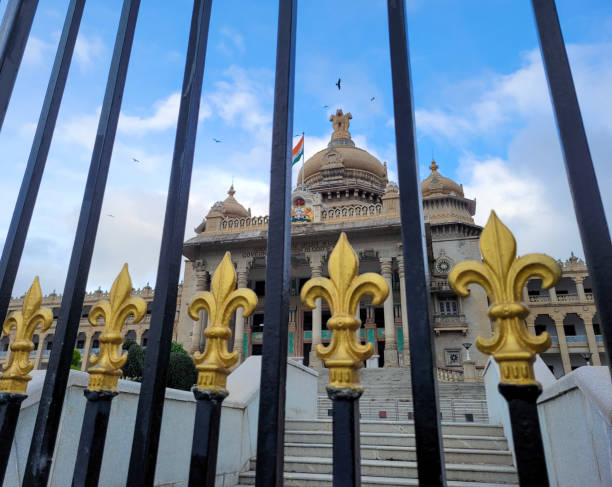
column 467, row 346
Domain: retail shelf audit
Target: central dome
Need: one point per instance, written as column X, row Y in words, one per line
column 342, row 166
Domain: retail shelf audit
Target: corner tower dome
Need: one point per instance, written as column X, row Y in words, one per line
column 342, row 169
column 438, row 185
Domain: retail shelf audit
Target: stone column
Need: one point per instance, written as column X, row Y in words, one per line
column 197, row 331
column 565, row 358
column 591, row 340
column 86, row 349
column 316, row 271
column 404, row 311
column 531, row 324
column 243, row 277
column 580, row 288
column 553, row 294
column 39, row 352
column 386, row 266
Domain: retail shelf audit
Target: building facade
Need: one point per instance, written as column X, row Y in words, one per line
column 567, row 312
column 87, row 339
column 345, row 189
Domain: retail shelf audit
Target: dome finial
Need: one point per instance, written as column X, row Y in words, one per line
column 231, row 191
column 341, row 123
column 434, row 166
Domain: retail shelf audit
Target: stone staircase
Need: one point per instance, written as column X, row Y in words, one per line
column 388, row 396
column 476, row 455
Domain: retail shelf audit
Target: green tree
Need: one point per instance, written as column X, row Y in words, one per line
column 76, row 360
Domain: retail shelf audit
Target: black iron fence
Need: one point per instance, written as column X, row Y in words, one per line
column 343, row 390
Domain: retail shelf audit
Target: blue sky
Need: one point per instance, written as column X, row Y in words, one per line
column 482, row 110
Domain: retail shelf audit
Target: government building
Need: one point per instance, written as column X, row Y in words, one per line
column 345, row 189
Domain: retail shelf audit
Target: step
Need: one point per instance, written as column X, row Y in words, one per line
column 384, row 427
column 401, row 439
column 399, row 469
column 292, row 479
column 405, row 453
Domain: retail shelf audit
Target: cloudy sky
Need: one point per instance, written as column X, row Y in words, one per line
column 483, row 111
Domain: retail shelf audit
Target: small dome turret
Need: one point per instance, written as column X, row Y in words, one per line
column 438, row 185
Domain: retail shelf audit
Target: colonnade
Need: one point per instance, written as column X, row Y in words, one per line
column 316, row 261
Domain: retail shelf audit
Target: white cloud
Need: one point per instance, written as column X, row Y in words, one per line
column 37, row 51
column 88, row 50
column 231, row 42
column 528, row 185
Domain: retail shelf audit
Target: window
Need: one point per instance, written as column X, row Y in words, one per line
column 49, row 345
column 256, row 349
column 260, row 288
column 570, row 330
column 596, row 329
column 80, row 344
column 5, row 347
column 307, row 323
column 85, row 312
column 448, row 306
column 539, row 329
column 96, row 343
column 258, row 323
column 303, row 280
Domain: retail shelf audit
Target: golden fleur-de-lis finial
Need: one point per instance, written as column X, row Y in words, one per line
column 15, row 378
column 105, row 367
column 503, row 277
column 343, row 290
column 220, row 303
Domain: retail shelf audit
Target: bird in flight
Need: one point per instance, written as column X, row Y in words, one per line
column 216, row 140
column 338, row 83
column 373, row 98
column 325, row 106
column 135, row 160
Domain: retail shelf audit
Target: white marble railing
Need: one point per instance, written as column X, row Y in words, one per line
column 250, row 223
column 446, row 374
column 352, row 211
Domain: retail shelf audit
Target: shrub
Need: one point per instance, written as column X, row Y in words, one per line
column 76, row 360
column 135, row 362
column 178, row 348
column 182, row 373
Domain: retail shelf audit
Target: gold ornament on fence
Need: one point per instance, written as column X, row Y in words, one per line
column 106, row 366
column 503, row 277
column 214, row 365
column 343, row 291
column 15, row 378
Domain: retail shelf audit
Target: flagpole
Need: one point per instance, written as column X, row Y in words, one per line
column 303, row 158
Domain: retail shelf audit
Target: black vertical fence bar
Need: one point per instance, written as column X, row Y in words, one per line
column 271, row 421
column 588, row 206
column 24, row 207
column 428, row 435
column 151, row 401
column 528, row 448
column 52, row 398
column 346, row 449
column 205, row 446
column 93, row 436
column 14, row 31
column 10, row 405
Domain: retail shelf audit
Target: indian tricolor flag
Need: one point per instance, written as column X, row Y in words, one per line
column 298, row 151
